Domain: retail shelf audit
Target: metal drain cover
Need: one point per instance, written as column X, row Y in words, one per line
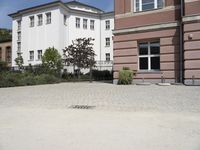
column 82, row 107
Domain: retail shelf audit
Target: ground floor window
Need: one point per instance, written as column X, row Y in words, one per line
column 107, row 56
column 31, row 53
column 39, row 54
column 149, row 56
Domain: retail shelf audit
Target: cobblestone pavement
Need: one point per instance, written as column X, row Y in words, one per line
column 124, row 118
column 105, row 96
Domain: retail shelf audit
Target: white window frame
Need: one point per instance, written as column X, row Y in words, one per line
column 31, row 55
column 149, row 56
column 78, row 22
column 65, row 19
column 107, row 54
column 85, row 22
column 39, row 54
column 108, row 41
column 140, row 5
column 92, row 22
column 107, row 22
column 32, row 21
column 18, row 46
column 19, row 36
column 48, row 18
column 40, row 20
column 19, row 24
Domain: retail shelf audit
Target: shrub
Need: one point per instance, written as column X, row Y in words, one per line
column 46, row 79
column 125, row 76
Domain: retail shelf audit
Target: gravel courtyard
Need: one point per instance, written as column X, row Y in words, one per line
column 123, row 117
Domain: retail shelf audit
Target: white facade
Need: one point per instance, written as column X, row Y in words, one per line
column 61, row 31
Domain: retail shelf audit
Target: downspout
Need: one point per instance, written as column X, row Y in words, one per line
column 182, row 12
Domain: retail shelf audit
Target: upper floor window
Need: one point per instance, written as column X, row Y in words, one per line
column 144, row 5
column 92, row 24
column 32, row 21
column 40, row 20
column 65, row 19
column 107, row 41
column 84, row 23
column 149, row 56
column 78, row 20
column 107, row 24
column 48, row 16
column 18, row 46
column 19, row 25
column 19, row 36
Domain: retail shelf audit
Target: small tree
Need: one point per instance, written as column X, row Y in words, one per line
column 19, row 62
column 52, row 60
column 80, row 54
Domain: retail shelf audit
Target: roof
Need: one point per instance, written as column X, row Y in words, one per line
column 56, row 3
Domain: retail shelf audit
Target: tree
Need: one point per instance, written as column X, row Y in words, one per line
column 19, row 62
column 80, row 54
column 52, row 60
column 5, row 35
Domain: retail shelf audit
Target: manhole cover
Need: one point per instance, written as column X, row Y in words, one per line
column 82, row 107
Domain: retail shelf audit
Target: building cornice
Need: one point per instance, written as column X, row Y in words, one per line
column 146, row 28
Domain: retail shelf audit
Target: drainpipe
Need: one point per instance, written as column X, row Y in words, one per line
column 182, row 13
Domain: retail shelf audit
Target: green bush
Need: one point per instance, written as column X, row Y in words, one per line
column 126, row 76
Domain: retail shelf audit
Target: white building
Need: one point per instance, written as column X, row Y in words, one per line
column 56, row 24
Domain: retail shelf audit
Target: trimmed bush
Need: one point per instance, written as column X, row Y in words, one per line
column 126, row 76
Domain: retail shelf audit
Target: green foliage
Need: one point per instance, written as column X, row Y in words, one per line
column 19, row 62
column 5, row 35
column 80, row 54
column 3, row 66
column 126, row 76
column 52, row 61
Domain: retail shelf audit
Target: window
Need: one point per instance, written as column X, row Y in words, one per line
column 40, row 20
column 107, row 56
column 19, row 46
column 107, row 41
column 32, row 21
column 39, row 54
column 84, row 23
column 31, row 55
column 149, row 56
column 0, row 53
column 19, row 25
column 107, row 24
column 48, row 16
column 78, row 20
column 8, row 54
column 92, row 24
column 144, row 5
column 65, row 19
column 19, row 36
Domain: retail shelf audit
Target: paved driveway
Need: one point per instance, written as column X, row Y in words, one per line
column 124, row 117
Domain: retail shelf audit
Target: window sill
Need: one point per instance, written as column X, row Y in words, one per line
column 107, row 46
column 149, row 72
column 143, row 11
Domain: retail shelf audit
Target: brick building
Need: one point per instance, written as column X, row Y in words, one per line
column 6, row 52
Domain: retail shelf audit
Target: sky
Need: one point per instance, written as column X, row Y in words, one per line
column 11, row 6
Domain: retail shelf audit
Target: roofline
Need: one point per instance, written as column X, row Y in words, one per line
column 6, row 41
column 58, row 3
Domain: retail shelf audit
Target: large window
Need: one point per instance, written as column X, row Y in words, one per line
column 39, row 54
column 32, row 21
column 92, row 24
column 31, row 54
column 149, row 56
column 84, row 23
column 107, row 41
column 78, row 20
column 40, row 20
column 144, row 5
column 48, row 17
column 107, row 24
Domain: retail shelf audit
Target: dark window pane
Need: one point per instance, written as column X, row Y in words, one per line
column 147, row 4
column 160, row 3
column 144, row 63
column 155, row 63
column 143, row 49
column 155, row 48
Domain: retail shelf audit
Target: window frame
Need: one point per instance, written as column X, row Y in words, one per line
column 0, row 53
column 8, row 54
column 149, row 56
column 65, row 19
column 78, row 22
column 92, row 22
column 40, row 19
column 156, row 5
column 108, row 45
column 107, row 24
column 48, row 18
column 85, row 24
column 39, row 55
column 31, row 57
column 19, row 46
column 19, row 25
column 32, row 21
column 108, row 54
